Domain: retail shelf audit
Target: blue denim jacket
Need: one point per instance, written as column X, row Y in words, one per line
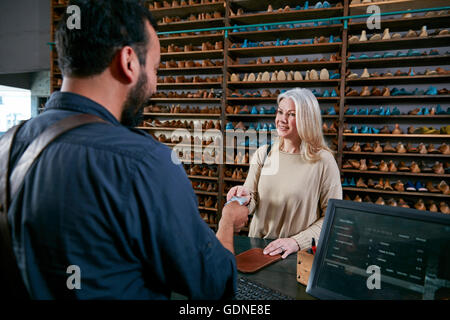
column 109, row 200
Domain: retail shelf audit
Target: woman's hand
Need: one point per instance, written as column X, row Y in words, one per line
column 284, row 246
column 239, row 191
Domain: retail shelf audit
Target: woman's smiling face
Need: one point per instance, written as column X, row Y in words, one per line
column 285, row 119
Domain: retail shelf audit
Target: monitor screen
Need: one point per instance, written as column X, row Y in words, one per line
column 368, row 251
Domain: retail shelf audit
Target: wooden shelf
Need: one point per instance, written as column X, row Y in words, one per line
column 286, row 50
column 391, row 154
column 394, row 99
column 185, row 11
column 283, row 33
column 398, row 117
column 234, row 180
column 237, row 164
column 396, row 5
column 185, row 26
column 293, row 15
column 269, row 116
column 191, row 162
column 404, row 24
column 187, row 100
column 398, row 173
column 208, row 209
column 241, row 148
column 189, row 71
column 203, row 178
column 298, row 66
column 385, row 135
column 400, row 79
column 256, row 100
column 173, row 129
column 414, row 61
column 181, row 115
column 248, row 115
column 291, row 83
column 194, row 147
column 404, row 43
column 190, row 39
column 192, row 55
column 189, row 85
column 206, row 193
column 397, row 193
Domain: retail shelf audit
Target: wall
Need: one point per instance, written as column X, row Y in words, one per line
column 24, row 34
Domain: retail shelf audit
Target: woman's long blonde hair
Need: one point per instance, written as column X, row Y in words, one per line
column 308, row 121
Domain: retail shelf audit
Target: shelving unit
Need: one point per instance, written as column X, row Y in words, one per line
column 333, row 56
column 57, row 9
column 422, row 59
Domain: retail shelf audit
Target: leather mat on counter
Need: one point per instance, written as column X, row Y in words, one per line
column 254, row 259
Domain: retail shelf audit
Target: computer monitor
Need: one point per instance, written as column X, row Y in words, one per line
column 368, row 251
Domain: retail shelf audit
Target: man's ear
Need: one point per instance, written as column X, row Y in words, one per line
column 128, row 64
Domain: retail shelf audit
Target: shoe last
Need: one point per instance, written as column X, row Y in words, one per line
column 409, row 186
column 345, row 183
column 331, row 111
column 363, row 36
column 395, row 111
column 431, row 91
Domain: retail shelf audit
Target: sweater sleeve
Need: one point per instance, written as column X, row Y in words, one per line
column 330, row 188
column 252, row 180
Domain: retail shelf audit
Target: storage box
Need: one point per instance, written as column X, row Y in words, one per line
column 304, row 264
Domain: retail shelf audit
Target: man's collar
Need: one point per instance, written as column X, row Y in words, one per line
column 75, row 102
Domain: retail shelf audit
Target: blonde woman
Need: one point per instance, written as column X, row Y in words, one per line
column 289, row 203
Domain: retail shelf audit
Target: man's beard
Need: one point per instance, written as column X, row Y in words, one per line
column 137, row 99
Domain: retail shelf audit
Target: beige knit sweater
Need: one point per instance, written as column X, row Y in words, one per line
column 290, row 196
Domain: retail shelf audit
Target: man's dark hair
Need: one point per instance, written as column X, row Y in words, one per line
column 106, row 27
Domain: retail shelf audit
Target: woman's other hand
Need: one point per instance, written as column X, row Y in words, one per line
column 284, row 246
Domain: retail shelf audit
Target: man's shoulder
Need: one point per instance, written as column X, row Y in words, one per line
column 130, row 142
column 113, row 139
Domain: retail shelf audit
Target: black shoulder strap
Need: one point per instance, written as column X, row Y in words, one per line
column 269, row 147
column 11, row 284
